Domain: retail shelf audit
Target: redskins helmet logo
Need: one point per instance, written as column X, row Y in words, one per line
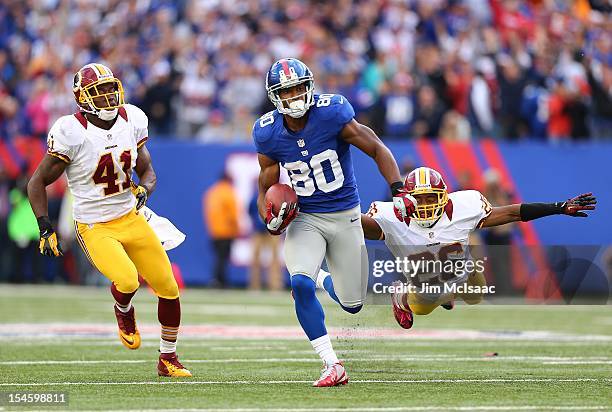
column 76, row 84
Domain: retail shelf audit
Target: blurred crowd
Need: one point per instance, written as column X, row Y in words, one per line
column 436, row 68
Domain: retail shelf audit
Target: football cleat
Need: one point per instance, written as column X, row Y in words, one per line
column 448, row 305
column 402, row 316
column 332, row 375
column 128, row 332
column 169, row 365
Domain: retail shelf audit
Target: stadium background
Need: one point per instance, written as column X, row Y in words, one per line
column 519, row 87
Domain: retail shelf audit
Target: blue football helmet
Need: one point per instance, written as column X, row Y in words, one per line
column 287, row 73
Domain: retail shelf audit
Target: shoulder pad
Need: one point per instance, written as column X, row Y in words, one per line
column 334, row 106
column 68, row 130
column 263, row 129
column 136, row 116
column 467, row 204
column 381, row 211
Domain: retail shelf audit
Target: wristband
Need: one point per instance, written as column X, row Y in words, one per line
column 396, row 187
column 44, row 224
column 530, row 211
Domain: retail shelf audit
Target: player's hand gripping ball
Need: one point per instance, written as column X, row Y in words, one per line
column 281, row 207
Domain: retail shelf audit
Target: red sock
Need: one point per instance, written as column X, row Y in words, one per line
column 121, row 298
column 169, row 315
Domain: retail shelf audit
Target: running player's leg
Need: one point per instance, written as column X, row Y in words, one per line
column 145, row 250
column 106, row 254
column 474, row 279
column 421, row 304
column 304, row 252
column 347, row 260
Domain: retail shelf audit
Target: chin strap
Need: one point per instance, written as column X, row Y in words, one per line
column 108, row 115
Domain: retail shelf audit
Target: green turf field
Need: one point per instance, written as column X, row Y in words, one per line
column 246, row 353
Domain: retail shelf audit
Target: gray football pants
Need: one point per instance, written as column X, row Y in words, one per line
column 337, row 237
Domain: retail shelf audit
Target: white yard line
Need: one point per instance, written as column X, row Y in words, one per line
column 547, row 360
column 27, row 331
column 244, row 344
column 391, row 409
column 588, row 362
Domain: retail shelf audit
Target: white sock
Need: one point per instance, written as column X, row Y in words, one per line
column 167, row 346
column 122, row 308
column 321, row 276
column 324, row 349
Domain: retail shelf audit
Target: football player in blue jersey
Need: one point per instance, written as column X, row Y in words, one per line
column 310, row 136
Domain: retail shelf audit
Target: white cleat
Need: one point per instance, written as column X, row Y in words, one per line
column 332, row 375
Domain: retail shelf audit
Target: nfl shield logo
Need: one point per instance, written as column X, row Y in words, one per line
column 301, row 143
column 109, row 136
column 431, row 235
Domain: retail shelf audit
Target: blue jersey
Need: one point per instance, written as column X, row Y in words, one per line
column 317, row 159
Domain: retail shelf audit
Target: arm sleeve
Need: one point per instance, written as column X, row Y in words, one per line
column 382, row 212
column 140, row 122
column 344, row 110
column 483, row 211
column 58, row 143
column 142, row 128
column 263, row 140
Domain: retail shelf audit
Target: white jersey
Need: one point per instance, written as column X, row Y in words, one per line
column 447, row 239
column 100, row 162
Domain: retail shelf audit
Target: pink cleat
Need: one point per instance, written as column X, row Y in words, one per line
column 332, row 375
column 402, row 316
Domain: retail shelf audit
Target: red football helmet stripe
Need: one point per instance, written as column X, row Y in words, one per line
column 285, row 65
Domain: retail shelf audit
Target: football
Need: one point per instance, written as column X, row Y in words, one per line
column 279, row 193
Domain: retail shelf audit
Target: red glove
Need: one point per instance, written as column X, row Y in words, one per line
column 404, row 205
column 277, row 224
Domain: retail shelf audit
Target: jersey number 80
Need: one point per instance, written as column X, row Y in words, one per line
column 299, row 171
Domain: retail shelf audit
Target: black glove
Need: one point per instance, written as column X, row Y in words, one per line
column 49, row 245
column 575, row 205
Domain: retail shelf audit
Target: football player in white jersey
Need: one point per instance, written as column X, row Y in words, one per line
column 98, row 147
column 437, row 229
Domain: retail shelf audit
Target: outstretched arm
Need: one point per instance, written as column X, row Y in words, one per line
column 529, row 211
column 366, row 140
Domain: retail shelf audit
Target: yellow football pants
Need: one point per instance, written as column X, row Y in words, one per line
column 420, row 305
column 127, row 247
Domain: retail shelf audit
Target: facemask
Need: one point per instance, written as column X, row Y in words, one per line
column 108, row 115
